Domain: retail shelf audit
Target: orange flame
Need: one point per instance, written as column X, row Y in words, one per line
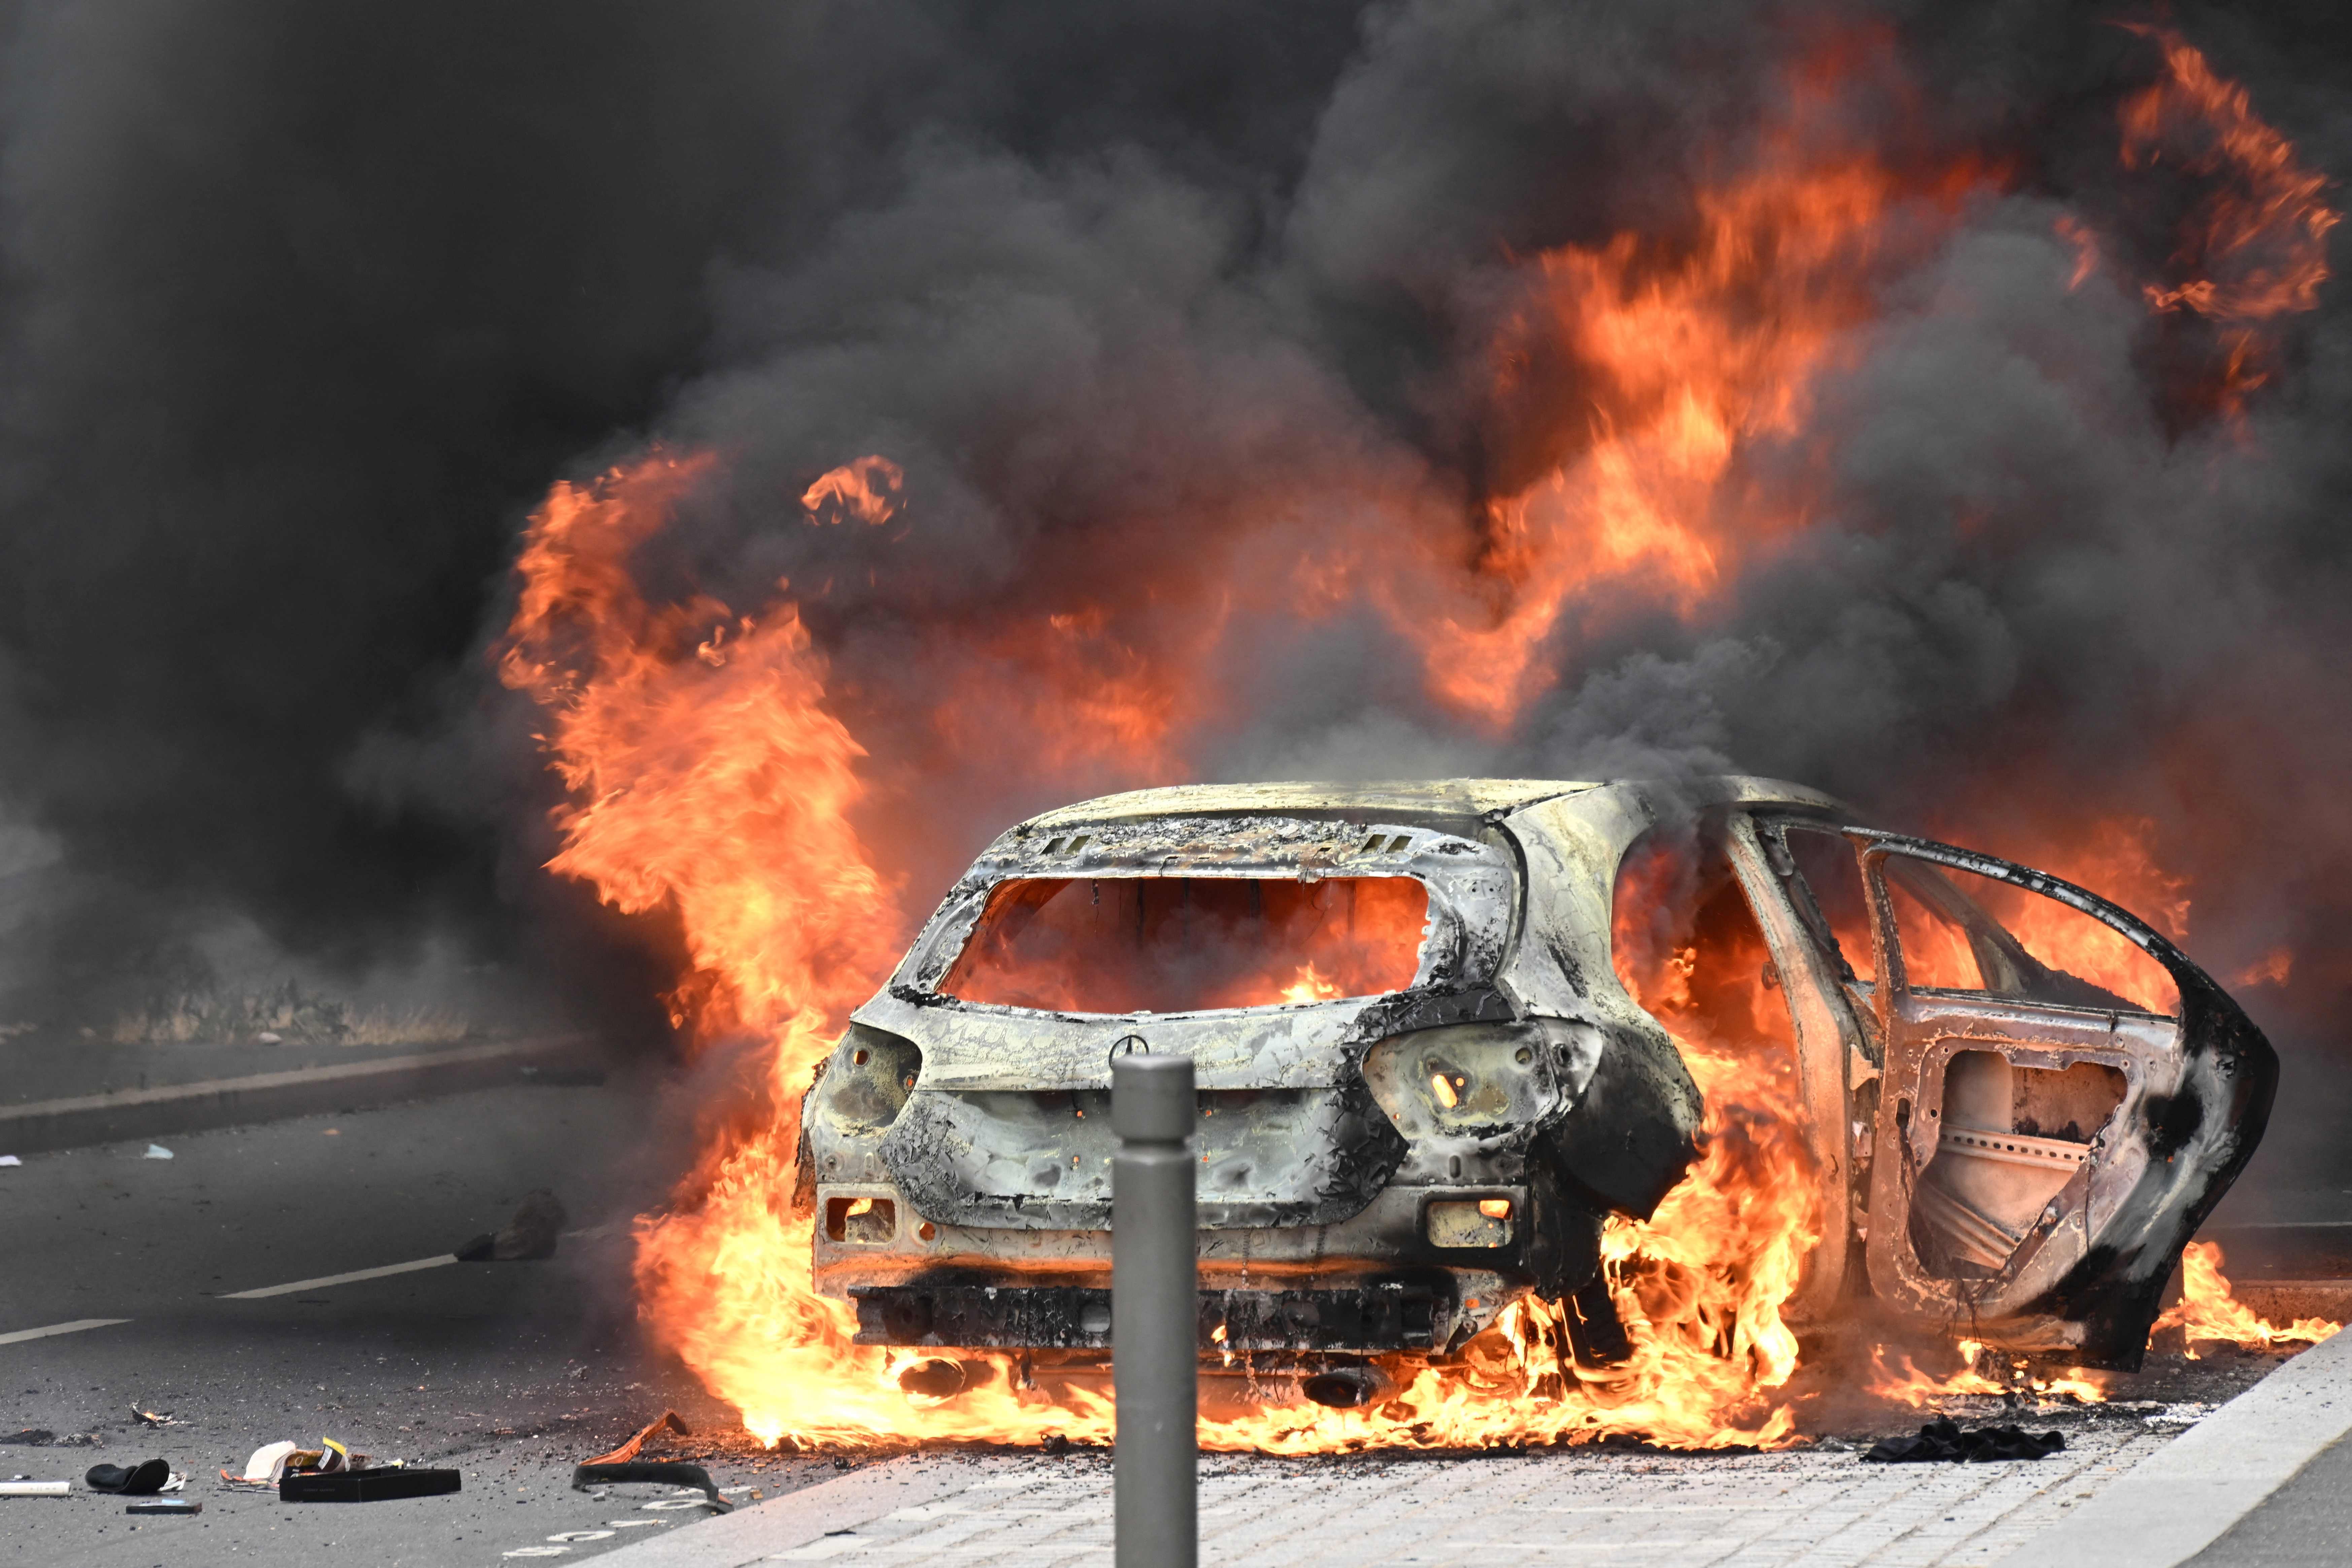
column 2258, row 242
column 714, row 781
column 2207, row 1311
column 1308, row 985
column 2114, row 856
column 2272, row 969
column 1685, row 358
column 2254, row 247
column 867, row 489
column 718, row 786
column 1907, row 1385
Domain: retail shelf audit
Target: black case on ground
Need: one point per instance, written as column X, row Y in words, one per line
column 367, row 1486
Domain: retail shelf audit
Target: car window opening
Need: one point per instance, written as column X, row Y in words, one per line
column 1962, row 932
column 1178, row 944
column 1830, row 877
column 1687, row 948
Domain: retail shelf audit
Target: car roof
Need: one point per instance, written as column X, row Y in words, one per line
column 1445, row 797
column 1453, row 798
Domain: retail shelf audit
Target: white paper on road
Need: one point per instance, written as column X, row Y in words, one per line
column 327, row 1279
column 77, row 1326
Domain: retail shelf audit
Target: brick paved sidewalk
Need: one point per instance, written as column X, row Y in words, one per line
column 1815, row 1507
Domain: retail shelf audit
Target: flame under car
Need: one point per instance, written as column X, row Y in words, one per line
column 1425, row 1082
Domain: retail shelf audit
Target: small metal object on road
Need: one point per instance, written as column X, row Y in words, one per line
column 166, row 1505
column 1155, row 1309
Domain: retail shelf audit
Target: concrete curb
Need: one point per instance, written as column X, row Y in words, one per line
column 830, row 1508
column 48, row 1125
column 2180, row 1498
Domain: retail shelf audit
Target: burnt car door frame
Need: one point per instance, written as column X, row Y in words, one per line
column 2087, row 1275
column 1832, row 1058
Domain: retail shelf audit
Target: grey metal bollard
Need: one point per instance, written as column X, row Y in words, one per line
column 1154, row 1313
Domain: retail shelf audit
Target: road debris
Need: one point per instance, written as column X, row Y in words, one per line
column 267, row 1463
column 383, row 1483
column 156, row 1151
column 10, row 1160
column 1944, row 1439
column 272, row 1462
column 170, row 1505
column 628, row 1450
column 157, row 1417
column 41, row 1438
column 141, row 1479
column 20, row 1486
column 529, row 1237
column 620, row 1466
column 663, row 1472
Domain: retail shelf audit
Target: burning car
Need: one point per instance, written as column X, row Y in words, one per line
column 1438, row 1031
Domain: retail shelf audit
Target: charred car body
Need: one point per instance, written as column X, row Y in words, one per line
column 1423, row 1086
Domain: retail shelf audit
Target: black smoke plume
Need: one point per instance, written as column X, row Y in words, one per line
column 305, row 310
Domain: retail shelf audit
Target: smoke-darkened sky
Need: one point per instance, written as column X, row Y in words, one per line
column 304, row 309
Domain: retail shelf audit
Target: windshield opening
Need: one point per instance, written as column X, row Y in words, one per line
column 1182, row 944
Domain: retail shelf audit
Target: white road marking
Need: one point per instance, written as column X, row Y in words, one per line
column 356, row 1274
column 77, row 1326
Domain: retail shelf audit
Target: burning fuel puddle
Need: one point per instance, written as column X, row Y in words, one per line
column 1817, row 1497
column 2172, row 1390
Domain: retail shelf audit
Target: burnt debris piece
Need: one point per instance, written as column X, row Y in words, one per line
column 620, row 1466
column 1423, row 1084
column 1946, row 1440
column 529, row 1237
column 658, row 1472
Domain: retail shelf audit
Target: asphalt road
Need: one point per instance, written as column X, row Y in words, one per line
column 510, row 1373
